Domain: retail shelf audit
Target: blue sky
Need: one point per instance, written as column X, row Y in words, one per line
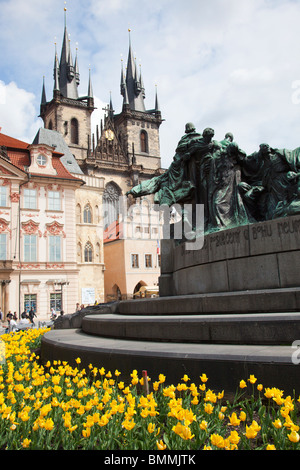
column 231, row 65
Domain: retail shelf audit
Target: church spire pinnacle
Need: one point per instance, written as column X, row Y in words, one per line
column 131, row 87
column 43, row 98
column 68, row 74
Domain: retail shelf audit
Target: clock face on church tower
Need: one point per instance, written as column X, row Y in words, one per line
column 109, row 134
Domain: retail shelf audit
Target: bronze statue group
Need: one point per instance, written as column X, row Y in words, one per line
column 235, row 188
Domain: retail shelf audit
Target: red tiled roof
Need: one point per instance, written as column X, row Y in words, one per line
column 19, row 156
column 7, row 141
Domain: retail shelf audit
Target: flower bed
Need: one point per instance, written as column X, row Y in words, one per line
column 56, row 406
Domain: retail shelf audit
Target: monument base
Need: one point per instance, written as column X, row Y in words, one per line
column 254, row 257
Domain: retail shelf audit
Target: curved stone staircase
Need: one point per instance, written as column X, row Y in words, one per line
column 190, row 335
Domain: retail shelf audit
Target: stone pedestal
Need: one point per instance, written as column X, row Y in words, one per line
column 258, row 256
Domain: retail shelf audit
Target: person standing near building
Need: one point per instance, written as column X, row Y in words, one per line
column 31, row 315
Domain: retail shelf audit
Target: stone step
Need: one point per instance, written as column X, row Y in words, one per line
column 250, row 301
column 225, row 365
column 271, row 328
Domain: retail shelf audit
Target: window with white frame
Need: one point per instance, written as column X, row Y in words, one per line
column 3, row 246
column 134, row 260
column 55, row 301
column 30, row 199
column 148, row 260
column 54, row 248
column 30, row 248
column 3, row 196
column 54, row 203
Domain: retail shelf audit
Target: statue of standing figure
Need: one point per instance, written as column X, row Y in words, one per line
column 272, row 182
column 234, row 188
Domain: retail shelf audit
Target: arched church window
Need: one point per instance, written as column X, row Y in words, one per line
column 88, row 253
column 74, row 131
column 111, row 205
column 144, row 141
column 87, row 214
column 50, row 125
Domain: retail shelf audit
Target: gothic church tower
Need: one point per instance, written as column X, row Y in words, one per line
column 127, row 145
column 68, row 113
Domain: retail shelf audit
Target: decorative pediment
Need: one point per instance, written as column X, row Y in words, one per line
column 9, row 171
column 4, row 226
column 31, row 228
column 54, row 228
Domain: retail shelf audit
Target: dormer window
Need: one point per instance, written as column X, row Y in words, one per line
column 41, row 160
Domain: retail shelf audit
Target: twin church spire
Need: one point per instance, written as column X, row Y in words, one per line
column 66, row 72
column 132, row 85
column 67, row 78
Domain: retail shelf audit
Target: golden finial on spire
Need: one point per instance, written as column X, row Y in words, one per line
column 65, row 10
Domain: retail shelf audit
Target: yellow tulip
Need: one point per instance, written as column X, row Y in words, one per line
column 270, row 447
column 208, row 408
column 252, row 379
column 151, row 428
column 161, row 445
column 217, row 441
column 234, row 421
column 26, row 443
column 86, row 432
column 234, row 438
column 243, row 384
column 294, row 436
column 203, row 425
column 185, row 378
column 277, row 423
column 250, row 432
column 49, row 424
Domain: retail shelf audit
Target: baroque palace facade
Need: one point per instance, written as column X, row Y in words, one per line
column 53, row 252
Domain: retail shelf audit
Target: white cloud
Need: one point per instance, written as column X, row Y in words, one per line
column 18, row 112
